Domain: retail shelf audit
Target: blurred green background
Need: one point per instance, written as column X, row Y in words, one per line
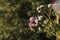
column 14, row 19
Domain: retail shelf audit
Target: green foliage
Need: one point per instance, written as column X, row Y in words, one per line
column 14, row 18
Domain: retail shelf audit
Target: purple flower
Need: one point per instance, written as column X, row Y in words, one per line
column 33, row 22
